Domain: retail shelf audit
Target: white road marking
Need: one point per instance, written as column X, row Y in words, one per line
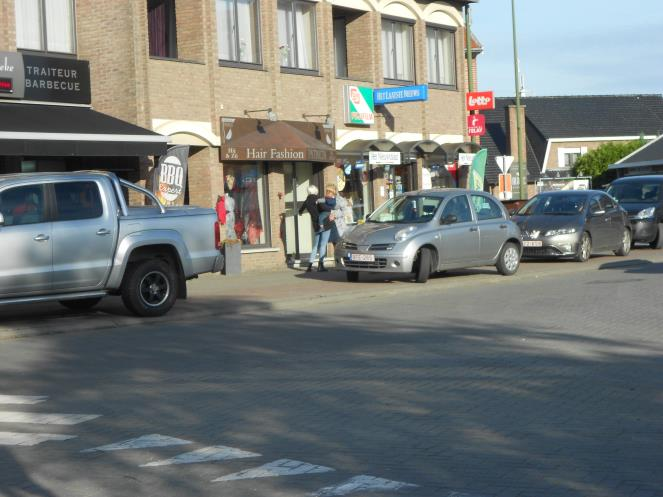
column 22, row 399
column 45, row 419
column 143, row 442
column 29, row 439
column 208, row 454
column 365, row 483
column 281, row 467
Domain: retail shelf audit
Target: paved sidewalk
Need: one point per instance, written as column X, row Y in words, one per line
column 289, row 289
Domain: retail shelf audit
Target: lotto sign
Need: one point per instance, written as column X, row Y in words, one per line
column 476, row 125
column 480, row 100
column 170, row 175
column 359, row 107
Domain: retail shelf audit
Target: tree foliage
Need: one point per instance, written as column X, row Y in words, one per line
column 595, row 163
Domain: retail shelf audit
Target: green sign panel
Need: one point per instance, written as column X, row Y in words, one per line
column 359, row 107
column 478, row 170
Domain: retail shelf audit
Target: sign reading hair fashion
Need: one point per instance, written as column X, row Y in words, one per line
column 170, row 176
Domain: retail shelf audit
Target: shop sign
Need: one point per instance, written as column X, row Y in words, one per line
column 476, row 125
column 465, row 159
column 384, row 158
column 415, row 93
column 170, row 176
column 480, row 100
column 358, row 105
column 44, row 79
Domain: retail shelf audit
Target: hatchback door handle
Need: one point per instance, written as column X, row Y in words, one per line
column 502, row 226
column 474, row 229
column 103, row 232
column 41, row 238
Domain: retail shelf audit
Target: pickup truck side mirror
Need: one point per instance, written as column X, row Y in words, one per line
column 450, row 219
column 2, row 219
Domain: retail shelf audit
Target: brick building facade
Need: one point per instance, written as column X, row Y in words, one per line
column 180, row 67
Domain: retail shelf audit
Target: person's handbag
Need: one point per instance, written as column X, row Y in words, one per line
column 327, row 224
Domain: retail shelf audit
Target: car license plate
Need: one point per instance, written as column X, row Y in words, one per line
column 362, row 257
column 532, row 243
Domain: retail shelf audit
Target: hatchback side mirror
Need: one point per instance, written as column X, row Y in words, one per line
column 450, row 219
column 2, row 219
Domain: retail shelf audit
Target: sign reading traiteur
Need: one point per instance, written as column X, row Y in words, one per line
column 480, row 100
column 358, row 105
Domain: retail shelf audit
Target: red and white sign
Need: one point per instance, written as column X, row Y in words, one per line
column 480, row 100
column 476, row 125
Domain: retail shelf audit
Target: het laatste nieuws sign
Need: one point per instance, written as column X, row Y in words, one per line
column 44, row 79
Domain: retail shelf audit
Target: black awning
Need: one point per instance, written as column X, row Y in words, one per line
column 50, row 130
column 422, row 148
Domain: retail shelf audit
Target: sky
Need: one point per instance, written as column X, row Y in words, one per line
column 571, row 47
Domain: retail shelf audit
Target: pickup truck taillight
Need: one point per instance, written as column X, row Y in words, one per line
column 217, row 235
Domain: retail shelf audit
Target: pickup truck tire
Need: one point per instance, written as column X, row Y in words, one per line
column 149, row 288
column 80, row 304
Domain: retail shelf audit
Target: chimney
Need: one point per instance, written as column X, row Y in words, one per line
column 511, row 132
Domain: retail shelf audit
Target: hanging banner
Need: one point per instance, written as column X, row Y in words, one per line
column 478, row 170
column 170, row 176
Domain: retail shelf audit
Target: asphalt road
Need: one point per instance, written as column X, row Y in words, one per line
column 473, row 385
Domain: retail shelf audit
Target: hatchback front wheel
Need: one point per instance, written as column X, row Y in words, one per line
column 509, row 259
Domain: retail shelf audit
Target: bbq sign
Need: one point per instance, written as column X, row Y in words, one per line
column 480, row 100
column 170, row 176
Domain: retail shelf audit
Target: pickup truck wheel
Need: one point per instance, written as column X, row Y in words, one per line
column 80, row 304
column 149, row 289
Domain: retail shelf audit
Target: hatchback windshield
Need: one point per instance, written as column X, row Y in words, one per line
column 563, row 205
column 406, row 209
column 635, row 193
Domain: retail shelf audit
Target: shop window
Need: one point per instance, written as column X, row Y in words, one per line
column 441, row 56
column 161, row 27
column 238, row 28
column 45, row 25
column 397, row 50
column 246, row 204
column 436, row 175
column 297, row 34
column 354, row 185
column 23, row 205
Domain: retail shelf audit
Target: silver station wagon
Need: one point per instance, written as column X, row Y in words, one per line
column 432, row 230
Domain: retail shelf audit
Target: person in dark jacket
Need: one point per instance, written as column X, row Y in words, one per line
column 310, row 205
column 322, row 220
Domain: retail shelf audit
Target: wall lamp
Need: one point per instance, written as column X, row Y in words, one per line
column 329, row 122
column 271, row 115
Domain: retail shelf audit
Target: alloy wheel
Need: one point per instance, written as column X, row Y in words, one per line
column 154, row 289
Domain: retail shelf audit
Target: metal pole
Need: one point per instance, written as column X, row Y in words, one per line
column 522, row 172
column 468, row 43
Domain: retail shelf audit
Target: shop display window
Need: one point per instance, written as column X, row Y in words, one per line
column 354, row 185
column 247, row 217
column 436, row 175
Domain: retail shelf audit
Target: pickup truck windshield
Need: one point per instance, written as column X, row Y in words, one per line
column 407, row 209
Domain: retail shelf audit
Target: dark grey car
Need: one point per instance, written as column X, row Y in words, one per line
column 573, row 224
column 642, row 198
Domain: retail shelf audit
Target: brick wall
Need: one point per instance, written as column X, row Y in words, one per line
column 7, row 26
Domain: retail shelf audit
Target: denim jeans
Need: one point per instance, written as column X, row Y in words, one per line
column 320, row 246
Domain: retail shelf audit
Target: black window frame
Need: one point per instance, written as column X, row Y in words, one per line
column 239, row 63
column 44, row 34
column 490, row 201
column 454, row 199
column 171, row 31
column 340, row 18
column 411, row 23
column 452, row 30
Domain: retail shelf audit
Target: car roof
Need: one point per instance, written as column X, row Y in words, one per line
column 652, row 178
column 441, row 192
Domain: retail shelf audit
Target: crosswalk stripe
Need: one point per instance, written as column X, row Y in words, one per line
column 207, row 454
column 29, row 439
column 22, row 399
column 360, row 483
column 45, row 419
column 143, row 442
column 280, row 467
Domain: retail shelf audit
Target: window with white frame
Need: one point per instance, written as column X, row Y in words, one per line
column 238, row 27
column 297, row 34
column 441, row 56
column 567, row 157
column 45, row 25
column 397, row 50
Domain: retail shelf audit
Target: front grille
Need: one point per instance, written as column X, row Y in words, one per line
column 379, row 263
column 349, row 245
column 381, row 246
column 540, row 252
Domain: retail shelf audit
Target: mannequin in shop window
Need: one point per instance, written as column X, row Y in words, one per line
column 232, row 193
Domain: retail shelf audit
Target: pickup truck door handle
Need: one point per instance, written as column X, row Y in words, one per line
column 474, row 228
column 41, row 238
column 103, row 232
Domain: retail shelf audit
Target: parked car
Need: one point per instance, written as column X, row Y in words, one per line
column 71, row 237
column 432, row 230
column 573, row 224
column 641, row 197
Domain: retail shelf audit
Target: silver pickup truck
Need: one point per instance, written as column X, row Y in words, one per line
column 72, row 238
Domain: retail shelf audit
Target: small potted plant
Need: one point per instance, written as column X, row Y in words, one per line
column 232, row 254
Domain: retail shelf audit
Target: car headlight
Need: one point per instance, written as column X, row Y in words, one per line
column 404, row 234
column 562, row 231
column 645, row 213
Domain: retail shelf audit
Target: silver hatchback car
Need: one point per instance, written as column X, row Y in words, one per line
column 432, row 230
